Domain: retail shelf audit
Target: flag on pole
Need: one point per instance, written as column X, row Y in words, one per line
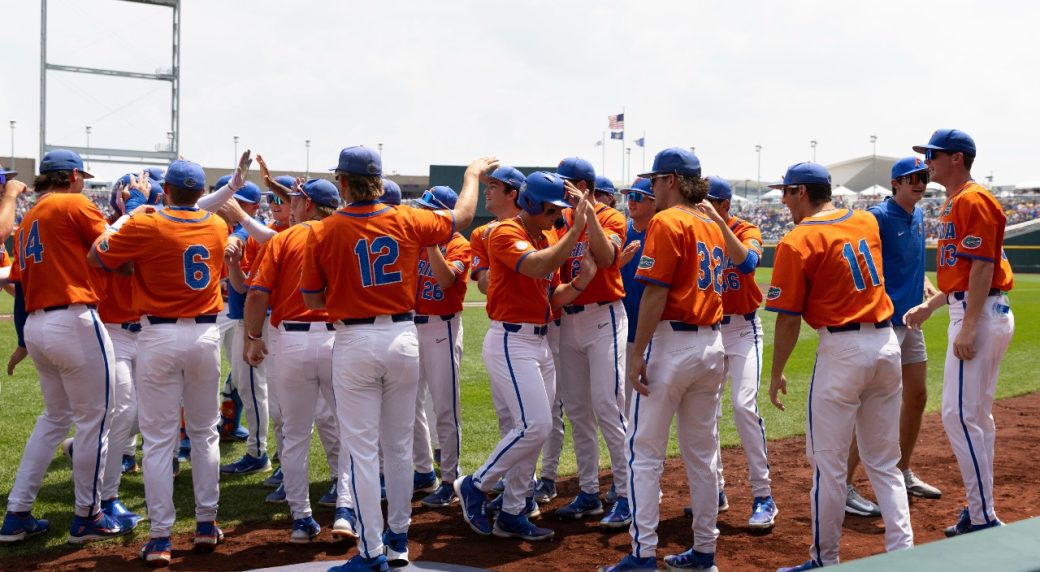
column 616, row 122
column 641, row 141
column 617, row 134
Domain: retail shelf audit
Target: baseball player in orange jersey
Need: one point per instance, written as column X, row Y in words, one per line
column 443, row 273
column 522, row 284
column 828, row 270
column 974, row 278
column 301, row 342
column 71, row 350
column 177, row 253
column 742, row 337
column 677, row 362
column 592, row 354
column 361, row 265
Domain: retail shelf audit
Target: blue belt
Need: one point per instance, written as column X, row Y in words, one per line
column 855, row 326
column 425, row 319
column 403, row 317
column 747, row 318
column 203, row 319
column 305, row 326
column 580, row 309
column 960, row 296
column 684, row 327
column 132, row 327
column 536, row 330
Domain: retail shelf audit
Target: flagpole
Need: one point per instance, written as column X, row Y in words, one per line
column 623, row 146
column 603, row 145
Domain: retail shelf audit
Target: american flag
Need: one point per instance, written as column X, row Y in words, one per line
column 616, row 122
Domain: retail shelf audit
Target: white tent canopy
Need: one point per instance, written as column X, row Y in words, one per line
column 772, row 195
column 875, row 191
column 842, row 191
column 1028, row 186
column 738, row 199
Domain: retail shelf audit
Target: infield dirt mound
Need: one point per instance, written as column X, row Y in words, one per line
column 442, row 536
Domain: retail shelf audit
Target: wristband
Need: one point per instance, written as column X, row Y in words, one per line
column 114, row 227
column 254, row 338
column 575, row 286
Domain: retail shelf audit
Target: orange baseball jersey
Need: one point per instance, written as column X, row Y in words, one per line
column 178, row 256
column 277, row 271
column 972, row 228
column 828, row 270
column 430, row 298
column 606, row 286
column 478, row 248
column 672, row 238
column 5, row 259
column 51, row 248
column 252, row 249
column 118, row 305
column 740, row 292
column 514, row 297
column 365, row 257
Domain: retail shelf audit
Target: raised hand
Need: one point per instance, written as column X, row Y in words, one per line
column 630, row 251
column 481, row 166
column 239, row 178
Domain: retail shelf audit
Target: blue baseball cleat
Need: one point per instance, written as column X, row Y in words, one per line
column 21, row 525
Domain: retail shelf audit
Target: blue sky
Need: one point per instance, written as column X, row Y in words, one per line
column 533, row 81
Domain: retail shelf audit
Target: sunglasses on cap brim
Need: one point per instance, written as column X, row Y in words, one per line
column 638, row 197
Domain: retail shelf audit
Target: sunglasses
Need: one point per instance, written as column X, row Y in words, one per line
column 275, row 200
column 551, row 211
column 915, row 178
column 933, row 153
column 634, row 197
column 655, row 177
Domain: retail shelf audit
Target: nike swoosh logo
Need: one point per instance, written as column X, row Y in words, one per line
column 439, row 340
column 600, row 326
column 901, row 233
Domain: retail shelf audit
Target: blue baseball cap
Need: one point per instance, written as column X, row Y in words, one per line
column 542, row 187
column 249, row 193
column 674, row 160
column 7, row 172
column 320, row 192
column 63, row 160
column 510, row 176
column 605, row 185
column 391, row 193
column 223, row 181
column 576, row 169
column 806, row 173
column 439, row 197
column 719, row 189
column 156, row 174
column 641, row 185
column 186, row 175
column 359, row 160
column 950, row 140
column 285, row 181
column 906, row 166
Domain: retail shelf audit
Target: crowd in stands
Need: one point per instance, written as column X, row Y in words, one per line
column 772, row 218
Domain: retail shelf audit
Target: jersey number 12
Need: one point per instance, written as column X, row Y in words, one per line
column 374, row 257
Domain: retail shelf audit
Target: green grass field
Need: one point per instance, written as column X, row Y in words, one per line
column 242, row 498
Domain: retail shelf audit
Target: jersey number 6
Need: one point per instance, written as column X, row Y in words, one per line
column 196, row 271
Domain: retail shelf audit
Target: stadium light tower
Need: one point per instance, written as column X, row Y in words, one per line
column 813, row 145
column 11, row 166
column 758, row 188
column 873, row 159
column 88, row 147
column 307, row 145
column 236, row 148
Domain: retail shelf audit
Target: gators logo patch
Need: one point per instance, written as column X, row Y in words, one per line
column 971, row 242
column 645, row 263
column 522, row 245
column 616, row 240
column 755, row 243
column 773, row 293
column 103, row 245
column 459, row 265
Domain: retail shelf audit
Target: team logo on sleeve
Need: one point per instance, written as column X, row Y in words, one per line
column 103, row 245
column 616, row 240
column 646, row 263
column 773, row 293
column 459, row 266
column 946, row 210
column 971, row 242
column 522, row 245
column 476, row 261
column 755, row 243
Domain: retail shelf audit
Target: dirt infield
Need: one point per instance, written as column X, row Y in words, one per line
column 443, row 537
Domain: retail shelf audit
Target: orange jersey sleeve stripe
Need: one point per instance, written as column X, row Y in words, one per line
column 828, row 270
column 178, row 256
column 606, row 285
column 740, row 292
column 684, row 253
column 278, row 271
column 430, row 298
column 972, row 228
column 512, row 296
column 51, row 251
column 365, row 256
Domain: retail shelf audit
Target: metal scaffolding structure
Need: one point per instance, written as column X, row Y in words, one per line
column 162, row 154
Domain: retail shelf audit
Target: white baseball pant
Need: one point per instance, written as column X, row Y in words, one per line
column 124, row 412
column 967, row 400
column 553, row 447
column 519, row 363
column 251, row 383
column 422, row 446
column 856, row 385
column 440, row 355
column 73, row 357
column 328, row 430
column 375, row 371
column 178, row 364
column 592, row 387
column 684, row 374
column 742, row 337
column 300, row 371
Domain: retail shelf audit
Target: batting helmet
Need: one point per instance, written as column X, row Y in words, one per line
column 542, row 187
column 439, row 197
